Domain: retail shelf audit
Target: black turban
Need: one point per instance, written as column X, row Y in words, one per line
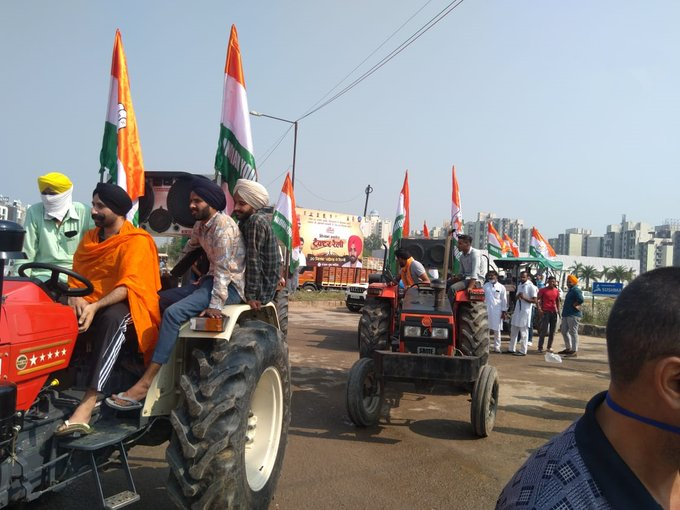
column 114, row 197
column 210, row 192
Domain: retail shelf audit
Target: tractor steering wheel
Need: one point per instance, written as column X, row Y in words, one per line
column 58, row 288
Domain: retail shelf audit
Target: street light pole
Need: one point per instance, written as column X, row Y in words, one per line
column 295, row 135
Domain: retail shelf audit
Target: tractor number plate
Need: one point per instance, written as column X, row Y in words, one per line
column 426, row 350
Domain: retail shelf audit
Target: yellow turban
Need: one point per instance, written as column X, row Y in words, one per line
column 57, row 182
column 572, row 279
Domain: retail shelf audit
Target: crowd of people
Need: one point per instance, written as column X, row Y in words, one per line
column 128, row 305
column 537, row 303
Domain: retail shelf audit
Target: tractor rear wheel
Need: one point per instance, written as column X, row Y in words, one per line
column 484, row 401
column 374, row 327
column 364, row 393
column 473, row 329
column 281, row 301
column 231, row 426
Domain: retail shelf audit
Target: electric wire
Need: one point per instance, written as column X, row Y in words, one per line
column 410, row 40
column 368, row 56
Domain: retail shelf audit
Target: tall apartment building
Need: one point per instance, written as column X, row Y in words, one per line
column 656, row 253
column 377, row 226
column 12, row 210
column 478, row 229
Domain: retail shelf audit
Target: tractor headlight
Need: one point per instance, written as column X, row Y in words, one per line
column 440, row 333
column 411, row 330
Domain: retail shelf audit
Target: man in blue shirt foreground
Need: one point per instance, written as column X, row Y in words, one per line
column 625, row 451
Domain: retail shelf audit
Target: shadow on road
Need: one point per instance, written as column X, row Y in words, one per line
column 335, row 340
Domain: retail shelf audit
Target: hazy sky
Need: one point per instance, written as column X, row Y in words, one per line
column 564, row 114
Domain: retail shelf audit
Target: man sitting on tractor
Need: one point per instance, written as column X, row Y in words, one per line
column 412, row 271
column 471, row 275
column 217, row 234
column 262, row 250
column 115, row 256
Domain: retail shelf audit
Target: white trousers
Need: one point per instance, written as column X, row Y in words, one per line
column 523, row 334
column 494, row 340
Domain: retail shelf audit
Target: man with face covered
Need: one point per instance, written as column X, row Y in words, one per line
column 55, row 226
column 217, row 234
column 115, row 257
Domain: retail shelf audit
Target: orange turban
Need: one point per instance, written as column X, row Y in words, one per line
column 573, row 279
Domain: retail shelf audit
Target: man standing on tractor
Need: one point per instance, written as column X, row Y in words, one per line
column 412, row 271
column 262, row 250
column 525, row 298
column 116, row 257
column 219, row 237
column 55, row 226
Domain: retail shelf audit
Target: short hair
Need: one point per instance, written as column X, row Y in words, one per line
column 465, row 237
column 491, row 272
column 644, row 323
column 402, row 253
column 551, row 278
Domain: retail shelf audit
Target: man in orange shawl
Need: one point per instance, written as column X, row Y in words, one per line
column 118, row 259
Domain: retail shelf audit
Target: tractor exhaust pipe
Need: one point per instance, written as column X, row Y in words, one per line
column 11, row 246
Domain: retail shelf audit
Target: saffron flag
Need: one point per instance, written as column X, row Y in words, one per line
column 426, row 231
column 285, row 224
column 496, row 246
column 456, row 211
column 539, row 247
column 234, row 159
column 120, row 159
column 512, row 245
column 400, row 229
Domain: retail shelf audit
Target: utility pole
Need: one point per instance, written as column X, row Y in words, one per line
column 368, row 191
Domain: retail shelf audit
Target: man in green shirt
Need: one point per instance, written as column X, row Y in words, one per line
column 54, row 226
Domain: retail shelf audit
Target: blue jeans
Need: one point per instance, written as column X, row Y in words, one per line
column 178, row 306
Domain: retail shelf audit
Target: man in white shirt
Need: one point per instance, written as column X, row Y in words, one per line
column 525, row 299
column 496, row 301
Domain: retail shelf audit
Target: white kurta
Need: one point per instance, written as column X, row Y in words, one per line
column 521, row 315
column 496, row 300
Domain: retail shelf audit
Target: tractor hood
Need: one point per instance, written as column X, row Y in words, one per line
column 37, row 337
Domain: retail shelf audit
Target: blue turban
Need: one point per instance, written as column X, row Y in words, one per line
column 210, row 192
column 114, row 197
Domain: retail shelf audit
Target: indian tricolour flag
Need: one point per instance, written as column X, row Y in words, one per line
column 496, row 246
column 234, row 159
column 539, row 247
column 401, row 225
column 456, row 210
column 121, row 155
column 512, row 245
column 285, row 224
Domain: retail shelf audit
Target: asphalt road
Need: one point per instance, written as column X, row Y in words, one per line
column 423, row 453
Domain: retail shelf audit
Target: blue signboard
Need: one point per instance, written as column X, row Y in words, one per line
column 607, row 289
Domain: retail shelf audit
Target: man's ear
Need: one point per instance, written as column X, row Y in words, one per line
column 667, row 381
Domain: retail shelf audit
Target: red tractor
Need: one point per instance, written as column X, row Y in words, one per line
column 416, row 335
column 223, row 400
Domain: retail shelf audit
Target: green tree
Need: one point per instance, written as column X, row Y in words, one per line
column 372, row 242
column 621, row 274
column 588, row 273
column 575, row 268
column 606, row 273
column 174, row 249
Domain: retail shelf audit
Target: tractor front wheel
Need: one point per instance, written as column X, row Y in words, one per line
column 374, row 327
column 484, row 401
column 473, row 329
column 364, row 393
column 231, row 427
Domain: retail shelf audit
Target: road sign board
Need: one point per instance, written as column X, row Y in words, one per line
column 607, row 288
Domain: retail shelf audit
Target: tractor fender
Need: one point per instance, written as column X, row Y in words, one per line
column 162, row 396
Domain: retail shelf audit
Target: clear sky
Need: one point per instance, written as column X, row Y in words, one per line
column 564, row 114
